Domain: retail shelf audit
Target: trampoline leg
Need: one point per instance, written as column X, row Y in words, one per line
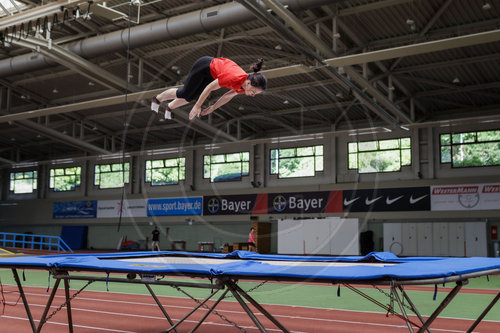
column 191, row 312
column 160, row 305
column 68, row 305
column 49, row 303
column 484, row 313
column 443, row 305
column 231, row 286
column 25, row 302
column 209, row 311
column 413, row 307
column 261, row 309
column 398, row 299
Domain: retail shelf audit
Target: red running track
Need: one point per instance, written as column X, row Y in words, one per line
column 130, row 313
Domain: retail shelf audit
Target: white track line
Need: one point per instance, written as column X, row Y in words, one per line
column 220, row 311
column 65, row 324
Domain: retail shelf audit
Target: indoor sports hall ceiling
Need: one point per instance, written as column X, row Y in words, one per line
column 76, row 77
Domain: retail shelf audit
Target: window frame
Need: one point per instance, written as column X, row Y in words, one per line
column 225, row 161
column 34, row 181
column 313, row 155
column 164, row 160
column 125, row 165
column 402, row 147
column 66, row 175
column 451, row 144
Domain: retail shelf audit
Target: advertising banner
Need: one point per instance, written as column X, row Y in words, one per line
column 129, row 208
column 248, row 204
column 387, row 199
column 175, row 206
column 465, row 197
column 305, row 202
column 74, row 210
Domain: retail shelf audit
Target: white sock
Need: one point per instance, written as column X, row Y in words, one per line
column 155, row 105
column 168, row 114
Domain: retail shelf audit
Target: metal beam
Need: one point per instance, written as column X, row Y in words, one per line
column 415, row 49
column 69, row 140
column 302, row 30
column 76, row 63
column 132, row 97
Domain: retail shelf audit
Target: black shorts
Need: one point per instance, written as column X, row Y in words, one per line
column 198, row 78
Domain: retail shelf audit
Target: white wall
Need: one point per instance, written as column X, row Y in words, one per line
column 330, row 236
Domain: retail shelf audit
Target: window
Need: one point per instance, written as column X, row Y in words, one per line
column 23, row 182
column 111, row 175
column 379, row 155
column 471, row 149
column 165, row 172
column 65, row 179
column 296, row 162
column 226, row 167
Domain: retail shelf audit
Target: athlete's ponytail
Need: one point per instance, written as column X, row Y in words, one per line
column 256, row 67
column 256, row 79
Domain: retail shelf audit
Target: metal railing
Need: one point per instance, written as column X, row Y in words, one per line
column 37, row 242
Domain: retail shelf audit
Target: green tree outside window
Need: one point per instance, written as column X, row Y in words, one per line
column 226, row 167
column 23, row 182
column 379, row 155
column 65, row 179
column 296, row 162
column 470, row 149
column 111, row 175
column 165, row 172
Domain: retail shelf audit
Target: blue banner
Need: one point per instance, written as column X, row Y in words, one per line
column 175, row 206
column 75, row 210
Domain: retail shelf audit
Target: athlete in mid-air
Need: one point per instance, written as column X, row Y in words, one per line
column 209, row 74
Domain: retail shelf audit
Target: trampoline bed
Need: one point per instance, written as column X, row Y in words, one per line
column 221, row 273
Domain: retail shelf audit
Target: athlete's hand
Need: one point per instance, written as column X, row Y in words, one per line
column 195, row 112
column 208, row 110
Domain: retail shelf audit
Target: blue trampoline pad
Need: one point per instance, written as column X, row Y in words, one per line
column 374, row 266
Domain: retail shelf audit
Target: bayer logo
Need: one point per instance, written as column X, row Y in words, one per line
column 279, row 203
column 213, row 205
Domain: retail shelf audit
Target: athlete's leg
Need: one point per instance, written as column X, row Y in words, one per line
column 166, row 95
column 172, row 105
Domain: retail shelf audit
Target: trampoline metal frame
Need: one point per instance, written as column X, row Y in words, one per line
column 229, row 284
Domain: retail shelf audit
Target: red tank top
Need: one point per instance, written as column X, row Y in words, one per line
column 230, row 75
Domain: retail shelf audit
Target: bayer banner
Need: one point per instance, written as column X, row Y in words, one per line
column 175, row 206
column 248, row 204
column 387, row 199
column 465, row 197
column 305, row 202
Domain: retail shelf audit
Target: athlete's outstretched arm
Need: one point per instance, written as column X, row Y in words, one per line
column 220, row 102
column 195, row 111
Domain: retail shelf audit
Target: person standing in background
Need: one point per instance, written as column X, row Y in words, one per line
column 251, row 240
column 155, row 239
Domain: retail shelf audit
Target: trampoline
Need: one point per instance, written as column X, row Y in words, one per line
column 221, row 273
